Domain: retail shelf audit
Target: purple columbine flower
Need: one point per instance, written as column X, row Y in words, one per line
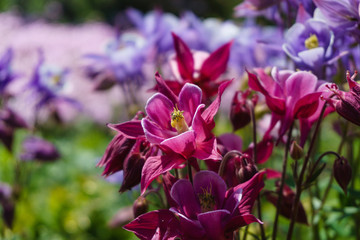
column 204, row 210
column 123, row 59
column 49, row 84
column 310, row 44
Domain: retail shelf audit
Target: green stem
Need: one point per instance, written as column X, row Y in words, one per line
column 295, row 206
column 282, row 182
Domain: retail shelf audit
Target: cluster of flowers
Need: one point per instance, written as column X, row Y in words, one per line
column 161, row 147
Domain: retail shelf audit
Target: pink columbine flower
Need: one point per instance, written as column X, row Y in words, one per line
column 289, row 95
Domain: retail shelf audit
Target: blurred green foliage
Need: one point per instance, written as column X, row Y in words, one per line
column 107, row 10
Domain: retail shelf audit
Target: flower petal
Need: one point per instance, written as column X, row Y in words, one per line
column 213, row 222
column 189, row 100
column 154, row 133
column 216, row 63
column 161, row 222
column 210, row 112
column 184, row 58
column 131, row 129
column 240, row 221
column 159, row 109
column 183, row 144
column 183, row 194
column 157, row 165
column 307, row 105
column 212, row 183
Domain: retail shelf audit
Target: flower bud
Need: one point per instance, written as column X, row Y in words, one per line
column 342, row 172
column 245, row 168
column 35, row 148
column 240, row 111
column 296, row 152
column 140, row 206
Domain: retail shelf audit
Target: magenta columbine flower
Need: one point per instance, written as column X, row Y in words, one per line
column 206, row 77
column 289, row 95
column 347, row 104
column 205, row 210
column 181, row 127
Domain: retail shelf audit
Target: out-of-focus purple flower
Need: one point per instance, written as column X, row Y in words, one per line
column 6, row 74
column 122, row 61
column 9, row 122
column 12, row 119
column 48, row 84
column 289, row 95
column 156, row 26
column 347, row 104
column 8, row 206
column 261, row 45
column 251, row 7
column 35, row 148
column 341, row 15
column 310, row 44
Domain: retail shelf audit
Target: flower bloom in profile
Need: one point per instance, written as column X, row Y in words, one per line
column 289, row 95
column 347, row 104
column 204, row 210
column 127, row 154
column 186, row 69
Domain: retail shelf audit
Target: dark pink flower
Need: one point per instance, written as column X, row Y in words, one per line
column 127, row 151
column 204, row 210
column 289, row 95
column 347, row 104
column 181, row 129
column 207, row 76
column 207, row 210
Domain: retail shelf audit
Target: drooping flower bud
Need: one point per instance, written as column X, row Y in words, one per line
column 240, row 109
column 296, row 152
column 245, row 168
column 140, row 206
column 288, row 197
column 342, row 172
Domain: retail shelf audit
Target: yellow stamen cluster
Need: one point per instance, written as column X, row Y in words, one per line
column 207, row 200
column 55, row 79
column 312, row 42
column 178, row 121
